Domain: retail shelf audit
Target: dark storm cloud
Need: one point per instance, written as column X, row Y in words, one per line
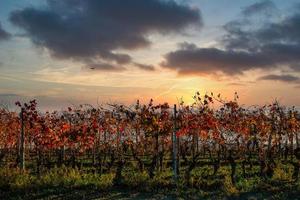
column 3, row 34
column 191, row 60
column 285, row 78
column 81, row 29
column 245, row 47
column 239, row 36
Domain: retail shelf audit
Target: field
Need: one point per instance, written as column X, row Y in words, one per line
column 151, row 151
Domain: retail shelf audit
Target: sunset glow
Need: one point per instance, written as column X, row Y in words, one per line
column 154, row 58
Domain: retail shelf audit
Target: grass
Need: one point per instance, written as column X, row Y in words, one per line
column 69, row 183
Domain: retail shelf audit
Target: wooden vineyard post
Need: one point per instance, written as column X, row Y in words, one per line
column 174, row 146
column 22, row 142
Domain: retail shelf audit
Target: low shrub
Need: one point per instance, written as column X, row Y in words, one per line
column 282, row 173
column 70, row 177
column 228, row 187
column 134, row 178
column 15, row 179
column 61, row 176
column 161, row 180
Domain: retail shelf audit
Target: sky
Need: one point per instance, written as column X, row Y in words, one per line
column 74, row 52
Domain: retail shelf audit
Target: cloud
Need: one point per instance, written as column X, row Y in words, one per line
column 90, row 29
column 3, row 34
column 241, row 37
column 264, row 7
column 104, row 67
column 191, row 60
column 8, row 95
column 244, row 47
column 145, row 67
column 284, row 78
